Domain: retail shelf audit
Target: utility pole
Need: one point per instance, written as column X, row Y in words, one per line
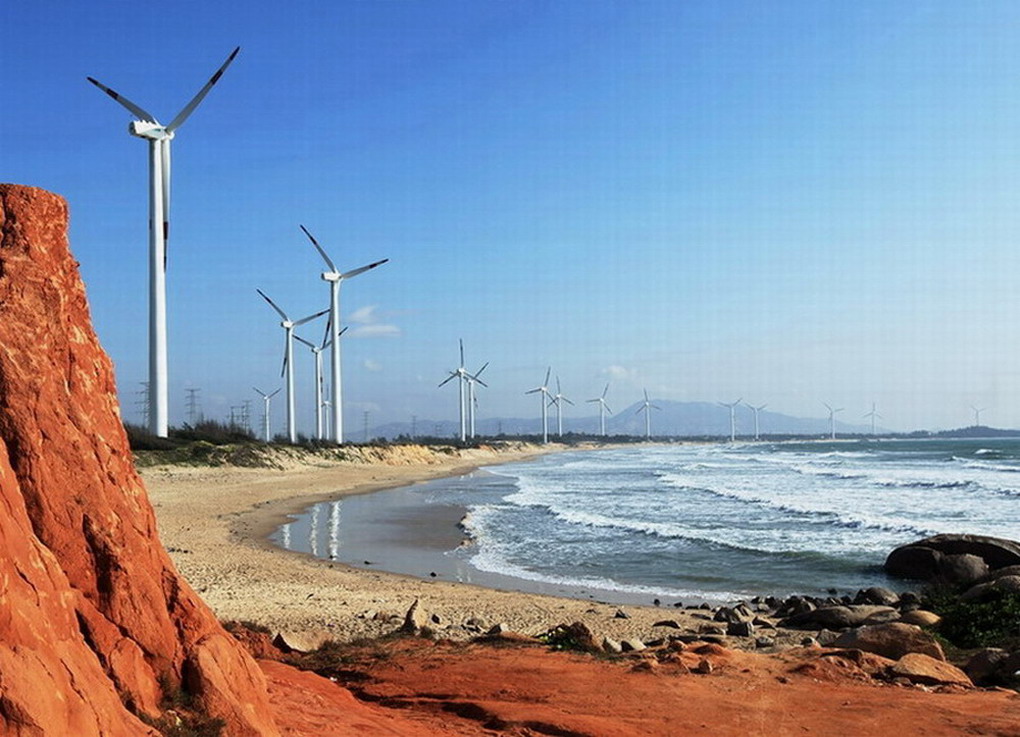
column 143, row 402
column 414, row 426
column 192, row 406
column 246, row 415
column 366, row 426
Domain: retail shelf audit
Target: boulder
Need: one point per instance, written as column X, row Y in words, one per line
column 925, row 559
column 877, row 595
column 985, row 591
column 95, row 621
column 841, row 617
column 999, row 572
column 893, row 641
column 920, row 617
column 919, row 668
column 984, row 666
column 415, row 618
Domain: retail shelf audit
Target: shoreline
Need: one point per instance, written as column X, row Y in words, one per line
column 215, row 522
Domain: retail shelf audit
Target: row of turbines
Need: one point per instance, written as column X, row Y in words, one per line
column 329, row 412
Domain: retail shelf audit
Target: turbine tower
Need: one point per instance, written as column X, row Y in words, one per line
column 159, row 137
column 461, row 374
column 558, row 400
column 733, row 417
column 756, row 410
column 335, row 277
column 603, row 408
column 543, row 390
column 472, row 400
column 317, row 355
column 647, row 408
column 288, row 326
column 265, row 416
column 832, row 420
column 872, row 414
column 977, row 414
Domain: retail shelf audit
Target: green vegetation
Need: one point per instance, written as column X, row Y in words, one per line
column 992, row 622
column 180, row 717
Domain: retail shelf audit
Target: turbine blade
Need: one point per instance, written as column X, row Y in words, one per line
column 480, row 381
column 567, row 401
column 343, row 330
column 259, row 391
column 589, row 401
column 325, row 335
column 283, row 368
column 303, row 320
column 190, row 107
column 362, row 270
column 479, row 371
column 641, row 409
column 273, row 304
column 135, row 109
column 329, row 262
column 655, row 406
column 306, row 342
column 558, row 389
column 274, row 393
column 646, row 395
column 607, row 408
column 462, row 353
column 547, row 372
column 533, row 391
column 604, row 391
column 453, row 375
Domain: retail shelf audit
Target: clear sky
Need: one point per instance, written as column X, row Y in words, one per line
column 789, row 202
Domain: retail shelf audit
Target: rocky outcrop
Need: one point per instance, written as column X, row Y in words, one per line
column 891, row 641
column 95, row 623
column 955, row 559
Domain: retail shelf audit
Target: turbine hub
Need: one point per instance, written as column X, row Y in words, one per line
column 152, row 131
column 331, row 276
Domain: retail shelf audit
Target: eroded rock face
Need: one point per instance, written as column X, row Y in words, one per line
column 93, row 614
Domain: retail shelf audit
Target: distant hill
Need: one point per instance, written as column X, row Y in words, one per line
column 977, row 431
column 675, row 419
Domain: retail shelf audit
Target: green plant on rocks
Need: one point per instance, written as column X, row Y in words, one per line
column 992, row 622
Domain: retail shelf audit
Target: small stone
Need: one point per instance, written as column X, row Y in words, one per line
column 632, row 645
column 611, row 646
column 667, row 623
column 740, row 629
column 498, row 629
column 415, row 619
column 620, row 614
column 763, row 642
column 436, row 619
column 704, row 667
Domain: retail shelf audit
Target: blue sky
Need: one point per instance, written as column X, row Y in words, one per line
column 790, row 202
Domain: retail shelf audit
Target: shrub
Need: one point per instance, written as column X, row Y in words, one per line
column 992, row 622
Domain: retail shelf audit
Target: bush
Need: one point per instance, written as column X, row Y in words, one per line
column 139, row 438
column 993, row 622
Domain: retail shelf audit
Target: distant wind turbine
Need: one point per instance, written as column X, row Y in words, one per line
column 288, row 326
column 317, row 355
column 977, row 414
column 335, row 277
column 543, row 391
column 603, row 408
column 265, row 416
column 461, row 375
column 159, row 137
column 647, row 408
column 872, row 414
column 733, row 417
column 756, row 410
column 558, row 400
column 832, row 420
column 473, row 379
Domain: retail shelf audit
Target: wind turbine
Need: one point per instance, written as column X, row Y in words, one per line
column 756, row 410
column 977, row 414
column 265, row 416
column 603, row 408
column 733, row 417
column 872, row 414
column 557, row 400
column 545, row 396
column 317, row 355
column 647, row 407
column 334, row 276
column 288, row 359
column 832, row 420
column 472, row 379
column 159, row 137
column 461, row 374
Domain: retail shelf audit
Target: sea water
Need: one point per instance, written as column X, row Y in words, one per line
column 686, row 522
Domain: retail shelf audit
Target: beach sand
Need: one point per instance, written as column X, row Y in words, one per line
column 215, row 521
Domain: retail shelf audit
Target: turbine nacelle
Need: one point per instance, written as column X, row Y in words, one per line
column 332, row 276
column 149, row 130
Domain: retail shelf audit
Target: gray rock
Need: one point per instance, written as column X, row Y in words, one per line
column 985, row 591
column 498, row 629
column 878, row 595
column 632, row 645
column 841, row 617
column 740, row 629
column 922, row 559
column 893, row 641
column 826, row 637
column 1007, row 571
column 763, row 642
column 620, row 614
column 985, row 665
column 672, row 623
column 611, row 646
column 415, row 619
column 962, row 568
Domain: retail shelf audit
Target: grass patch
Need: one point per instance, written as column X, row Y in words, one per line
column 992, row 622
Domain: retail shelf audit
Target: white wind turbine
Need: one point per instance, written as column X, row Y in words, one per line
column 334, row 276
column 832, row 420
column 603, row 408
column 543, row 390
column 288, row 359
column 558, row 399
column 265, row 416
column 461, row 374
column 317, row 355
column 977, row 414
column 159, row 137
column 872, row 414
column 733, row 417
column 756, row 410
column 473, row 379
column 647, row 408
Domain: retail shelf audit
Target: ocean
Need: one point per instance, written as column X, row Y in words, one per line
column 688, row 523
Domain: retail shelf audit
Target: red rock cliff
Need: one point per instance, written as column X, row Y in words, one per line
column 94, row 619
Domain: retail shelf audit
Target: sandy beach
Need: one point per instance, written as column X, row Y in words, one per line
column 214, row 521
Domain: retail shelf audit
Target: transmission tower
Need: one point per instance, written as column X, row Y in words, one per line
column 192, row 406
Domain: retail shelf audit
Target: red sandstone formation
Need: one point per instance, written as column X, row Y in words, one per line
column 94, row 620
